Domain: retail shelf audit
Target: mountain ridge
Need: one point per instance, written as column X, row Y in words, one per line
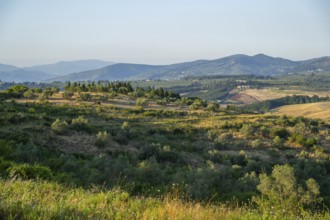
column 238, row 64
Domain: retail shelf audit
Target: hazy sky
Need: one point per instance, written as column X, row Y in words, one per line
column 161, row 31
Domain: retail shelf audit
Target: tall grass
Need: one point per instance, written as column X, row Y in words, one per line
column 46, row 200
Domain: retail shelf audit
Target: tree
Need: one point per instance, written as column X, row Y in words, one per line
column 280, row 192
column 29, row 94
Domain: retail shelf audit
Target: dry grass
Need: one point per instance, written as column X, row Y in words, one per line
column 267, row 94
column 311, row 110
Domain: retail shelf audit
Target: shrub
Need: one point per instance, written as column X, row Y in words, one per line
column 247, row 130
column 60, row 126
column 67, row 95
column 212, row 106
column 27, row 171
column 279, row 131
column 278, row 142
column 29, row 94
column 102, row 138
column 142, row 102
column 197, row 104
column 80, row 121
column 85, row 97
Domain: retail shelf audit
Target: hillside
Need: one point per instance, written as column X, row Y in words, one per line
column 232, row 65
column 311, row 110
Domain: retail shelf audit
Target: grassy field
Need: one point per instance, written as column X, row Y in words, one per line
column 311, row 110
column 266, row 94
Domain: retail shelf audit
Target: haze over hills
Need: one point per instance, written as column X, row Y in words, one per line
column 6, row 67
column 10, row 73
column 232, row 65
column 21, row 75
column 67, row 67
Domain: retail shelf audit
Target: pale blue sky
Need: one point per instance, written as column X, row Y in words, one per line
column 161, row 31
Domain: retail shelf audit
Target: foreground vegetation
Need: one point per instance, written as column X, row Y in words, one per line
column 45, row 200
column 91, row 159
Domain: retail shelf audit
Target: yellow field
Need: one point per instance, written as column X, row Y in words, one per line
column 266, row 94
column 311, row 110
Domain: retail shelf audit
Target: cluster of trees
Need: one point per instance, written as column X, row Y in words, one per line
column 22, row 91
column 119, row 88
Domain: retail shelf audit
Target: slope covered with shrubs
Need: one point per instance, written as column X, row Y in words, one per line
column 211, row 157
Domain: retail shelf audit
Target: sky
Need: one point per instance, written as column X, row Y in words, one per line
column 161, row 31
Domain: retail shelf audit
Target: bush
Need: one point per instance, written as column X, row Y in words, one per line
column 279, row 131
column 67, row 95
column 60, row 126
column 29, row 94
column 212, row 106
column 80, row 121
column 278, row 142
column 247, row 130
column 102, row 138
column 142, row 102
column 85, row 97
column 197, row 104
column 27, row 171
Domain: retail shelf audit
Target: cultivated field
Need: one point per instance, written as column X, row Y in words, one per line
column 311, row 110
column 266, row 94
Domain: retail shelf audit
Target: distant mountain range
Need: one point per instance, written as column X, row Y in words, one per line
column 232, row 65
column 94, row 70
column 9, row 73
column 67, row 67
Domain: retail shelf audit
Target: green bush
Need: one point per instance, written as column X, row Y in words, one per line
column 85, row 97
column 67, row 95
column 102, row 138
column 80, row 121
column 60, row 126
column 27, row 171
column 142, row 102
column 29, row 94
column 279, row 131
column 212, row 106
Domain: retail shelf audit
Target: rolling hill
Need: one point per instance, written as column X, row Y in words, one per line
column 232, row 65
